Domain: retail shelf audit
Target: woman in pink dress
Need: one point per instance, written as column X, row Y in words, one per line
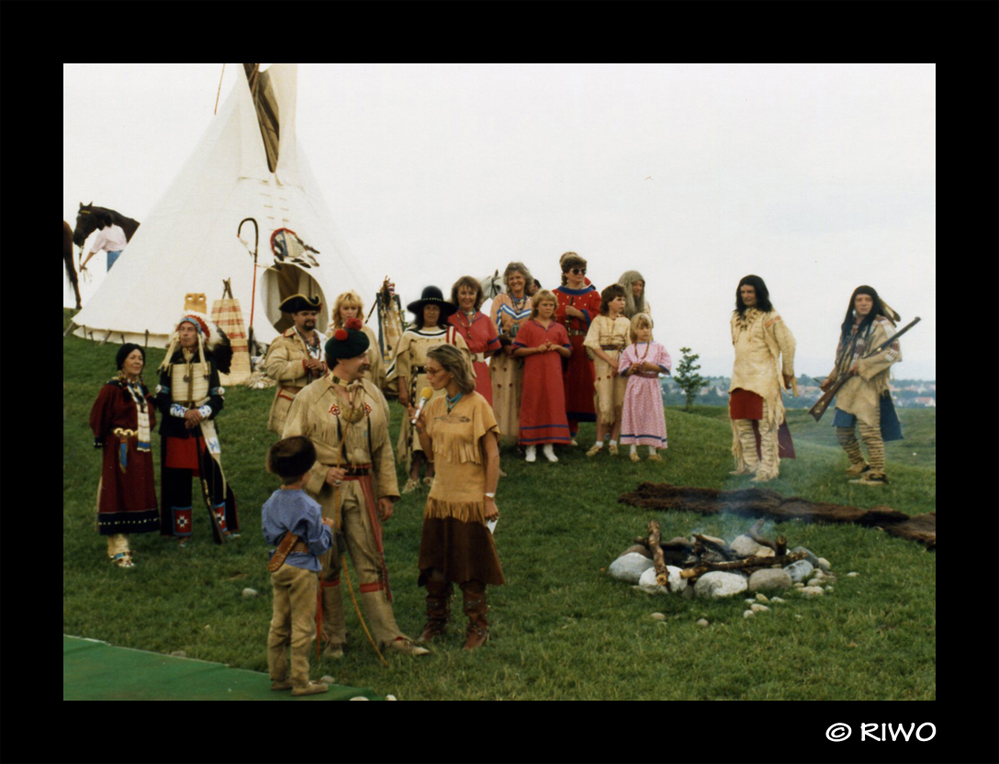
column 479, row 332
column 643, row 418
column 542, row 342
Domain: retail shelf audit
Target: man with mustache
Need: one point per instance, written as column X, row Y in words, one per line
column 295, row 358
column 346, row 417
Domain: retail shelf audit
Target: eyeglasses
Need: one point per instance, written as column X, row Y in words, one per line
column 578, row 271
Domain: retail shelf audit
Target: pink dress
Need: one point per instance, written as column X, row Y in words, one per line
column 542, row 405
column 481, row 337
column 643, row 421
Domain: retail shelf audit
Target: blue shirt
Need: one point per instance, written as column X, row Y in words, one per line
column 296, row 512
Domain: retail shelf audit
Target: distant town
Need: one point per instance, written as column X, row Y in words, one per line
column 906, row 393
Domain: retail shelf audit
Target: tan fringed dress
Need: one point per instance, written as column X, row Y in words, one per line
column 455, row 538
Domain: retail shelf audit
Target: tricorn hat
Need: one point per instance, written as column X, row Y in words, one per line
column 432, row 296
column 298, row 302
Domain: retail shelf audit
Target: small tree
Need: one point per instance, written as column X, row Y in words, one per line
column 687, row 378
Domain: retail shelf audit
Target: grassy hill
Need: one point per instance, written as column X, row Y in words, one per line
column 561, row 627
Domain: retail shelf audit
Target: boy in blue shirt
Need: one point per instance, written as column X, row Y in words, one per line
column 293, row 521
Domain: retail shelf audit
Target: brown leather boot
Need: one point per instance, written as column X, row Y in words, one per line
column 475, row 608
column 438, row 609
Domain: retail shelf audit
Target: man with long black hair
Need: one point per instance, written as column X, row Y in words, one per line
column 864, row 401
column 763, row 369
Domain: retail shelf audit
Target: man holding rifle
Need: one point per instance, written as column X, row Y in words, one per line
column 763, row 369
column 864, row 399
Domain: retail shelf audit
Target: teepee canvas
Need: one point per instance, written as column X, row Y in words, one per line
column 247, row 166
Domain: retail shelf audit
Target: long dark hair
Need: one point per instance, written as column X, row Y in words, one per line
column 762, row 295
column 878, row 309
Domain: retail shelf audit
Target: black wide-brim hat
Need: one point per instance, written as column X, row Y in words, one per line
column 432, row 296
column 298, row 302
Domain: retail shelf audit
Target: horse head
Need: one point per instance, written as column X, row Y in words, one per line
column 85, row 223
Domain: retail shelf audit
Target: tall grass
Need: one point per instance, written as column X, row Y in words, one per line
column 561, row 627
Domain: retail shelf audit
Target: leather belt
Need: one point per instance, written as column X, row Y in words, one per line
column 575, row 332
column 357, row 470
column 610, row 347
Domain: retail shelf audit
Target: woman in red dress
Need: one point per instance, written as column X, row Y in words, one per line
column 122, row 418
column 479, row 332
column 578, row 304
column 540, row 342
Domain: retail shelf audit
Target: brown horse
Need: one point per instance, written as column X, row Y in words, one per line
column 67, row 256
column 86, row 222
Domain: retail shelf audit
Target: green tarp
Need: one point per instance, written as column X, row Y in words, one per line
column 93, row 670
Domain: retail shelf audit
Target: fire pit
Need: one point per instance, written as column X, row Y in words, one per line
column 712, row 567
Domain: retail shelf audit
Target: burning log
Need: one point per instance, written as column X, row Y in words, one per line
column 779, row 546
column 746, row 564
column 723, row 549
column 662, row 575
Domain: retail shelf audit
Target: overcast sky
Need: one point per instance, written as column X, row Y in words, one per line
column 816, row 178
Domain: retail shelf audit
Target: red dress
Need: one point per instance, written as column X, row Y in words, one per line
column 542, row 404
column 578, row 376
column 481, row 337
column 127, row 495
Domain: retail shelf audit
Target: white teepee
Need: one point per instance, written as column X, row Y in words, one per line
column 189, row 244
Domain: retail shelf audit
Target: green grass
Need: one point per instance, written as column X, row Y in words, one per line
column 561, row 627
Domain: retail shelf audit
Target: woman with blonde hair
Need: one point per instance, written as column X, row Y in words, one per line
column 350, row 305
column 479, row 332
column 456, row 546
column 543, row 343
column 509, row 310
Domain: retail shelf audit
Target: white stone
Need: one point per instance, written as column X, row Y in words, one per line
column 824, row 564
column 629, row 567
column 702, row 621
column 852, row 574
column 658, row 616
column 756, row 607
column 720, row 583
column 762, row 598
column 769, row 578
column 777, row 599
column 748, row 614
column 250, row 592
column 358, row 697
column 815, row 582
column 812, row 591
column 809, row 555
column 745, row 546
column 829, row 589
column 799, row 570
column 391, row 697
column 648, row 582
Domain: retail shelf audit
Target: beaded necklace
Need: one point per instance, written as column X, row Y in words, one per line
column 452, row 402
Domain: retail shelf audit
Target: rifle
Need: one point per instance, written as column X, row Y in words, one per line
column 823, row 403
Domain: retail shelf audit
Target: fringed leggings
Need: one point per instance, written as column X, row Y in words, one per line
column 871, row 435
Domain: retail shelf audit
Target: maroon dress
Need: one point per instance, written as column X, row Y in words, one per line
column 578, row 374
column 127, row 501
column 542, row 404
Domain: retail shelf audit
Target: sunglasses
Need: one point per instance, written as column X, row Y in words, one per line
column 578, row 271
